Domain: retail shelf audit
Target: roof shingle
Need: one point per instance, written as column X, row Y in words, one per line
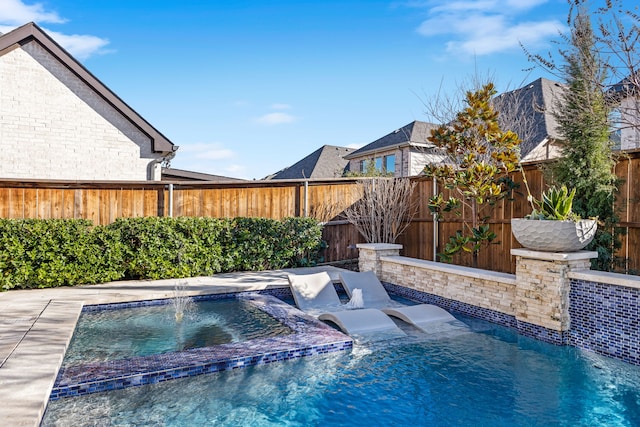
column 326, row 162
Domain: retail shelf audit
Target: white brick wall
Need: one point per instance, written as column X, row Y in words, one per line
column 54, row 126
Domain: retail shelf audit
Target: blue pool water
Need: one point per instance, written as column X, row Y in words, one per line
column 489, row 376
column 141, row 331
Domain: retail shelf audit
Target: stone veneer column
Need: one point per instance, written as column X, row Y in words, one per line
column 369, row 255
column 542, row 286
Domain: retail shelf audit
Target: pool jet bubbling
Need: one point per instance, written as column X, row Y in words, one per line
column 181, row 301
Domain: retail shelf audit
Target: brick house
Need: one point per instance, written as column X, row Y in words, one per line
column 405, row 151
column 58, row 121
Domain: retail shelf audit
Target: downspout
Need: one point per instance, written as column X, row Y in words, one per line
column 151, row 167
column 151, row 175
column 170, row 200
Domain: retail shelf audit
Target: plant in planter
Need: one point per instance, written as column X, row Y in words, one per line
column 556, row 204
column 553, row 226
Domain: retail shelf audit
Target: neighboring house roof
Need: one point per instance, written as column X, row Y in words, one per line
column 171, row 174
column 326, row 162
column 624, row 88
column 415, row 133
column 529, row 112
column 31, row 32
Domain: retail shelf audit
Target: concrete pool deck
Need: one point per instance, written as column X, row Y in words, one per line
column 36, row 326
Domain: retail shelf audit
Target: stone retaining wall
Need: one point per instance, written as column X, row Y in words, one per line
column 535, row 300
column 553, row 297
column 480, row 288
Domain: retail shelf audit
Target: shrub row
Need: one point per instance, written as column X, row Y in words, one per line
column 67, row 252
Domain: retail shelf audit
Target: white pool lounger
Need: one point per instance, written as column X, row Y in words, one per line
column 362, row 321
column 427, row 317
column 316, row 295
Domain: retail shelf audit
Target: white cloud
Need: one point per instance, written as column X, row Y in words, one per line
column 486, row 5
column 14, row 13
column 80, row 46
column 235, row 169
column 525, row 4
column 276, row 119
column 463, row 6
column 527, row 33
column 487, row 26
column 205, row 151
column 212, row 158
column 6, row 28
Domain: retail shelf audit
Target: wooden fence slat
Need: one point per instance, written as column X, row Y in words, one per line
column 68, row 203
column 5, row 202
column 30, row 209
column 104, row 202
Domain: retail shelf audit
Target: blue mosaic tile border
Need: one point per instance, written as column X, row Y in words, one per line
column 523, row 328
column 163, row 301
column 541, row 333
column 453, row 305
column 605, row 319
column 310, row 337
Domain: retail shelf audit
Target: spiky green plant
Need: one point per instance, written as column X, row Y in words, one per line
column 556, row 204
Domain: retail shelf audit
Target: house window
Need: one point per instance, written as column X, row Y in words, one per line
column 383, row 164
column 390, row 163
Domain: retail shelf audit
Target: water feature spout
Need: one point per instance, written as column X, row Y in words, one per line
column 356, row 300
column 181, row 301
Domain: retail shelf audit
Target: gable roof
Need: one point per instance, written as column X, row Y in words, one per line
column 414, row 133
column 531, row 108
column 625, row 88
column 32, row 33
column 326, row 162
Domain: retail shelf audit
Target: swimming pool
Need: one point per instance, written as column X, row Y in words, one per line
column 103, row 335
column 490, row 376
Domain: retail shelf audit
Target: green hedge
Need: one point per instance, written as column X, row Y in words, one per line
column 49, row 253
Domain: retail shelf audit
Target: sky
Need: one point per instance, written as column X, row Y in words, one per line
column 246, row 88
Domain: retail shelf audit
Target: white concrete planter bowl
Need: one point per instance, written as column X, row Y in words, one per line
column 553, row 236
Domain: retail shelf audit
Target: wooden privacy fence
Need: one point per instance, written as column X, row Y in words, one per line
column 103, row 202
column 419, row 240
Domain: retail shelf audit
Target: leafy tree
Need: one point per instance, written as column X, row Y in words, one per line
column 479, row 157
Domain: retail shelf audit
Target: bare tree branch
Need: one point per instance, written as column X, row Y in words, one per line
column 384, row 209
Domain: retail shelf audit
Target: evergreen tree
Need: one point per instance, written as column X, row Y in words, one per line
column 587, row 162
